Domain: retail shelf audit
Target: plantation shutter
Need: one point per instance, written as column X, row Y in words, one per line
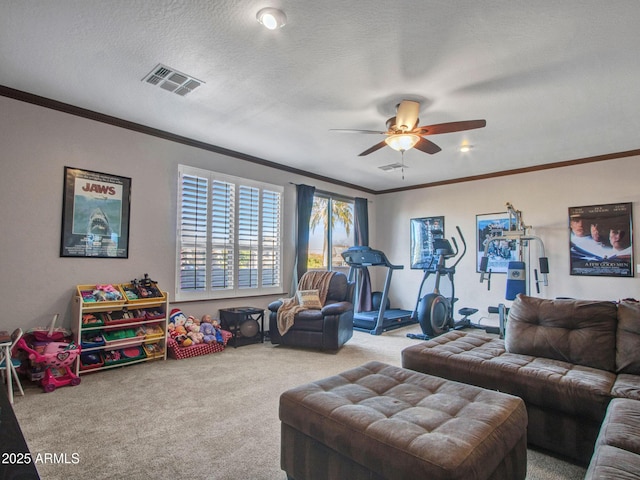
column 271, row 256
column 193, row 232
column 222, row 234
column 248, row 241
column 229, row 236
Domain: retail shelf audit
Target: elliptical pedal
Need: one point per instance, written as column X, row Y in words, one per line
column 465, row 321
column 418, row 336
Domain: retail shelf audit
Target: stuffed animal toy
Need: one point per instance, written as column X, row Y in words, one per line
column 177, row 317
column 210, row 330
column 195, row 335
column 180, row 335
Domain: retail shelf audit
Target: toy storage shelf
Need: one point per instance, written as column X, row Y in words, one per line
column 144, row 333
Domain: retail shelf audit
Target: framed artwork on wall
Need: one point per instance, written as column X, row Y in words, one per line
column 423, row 232
column 601, row 240
column 95, row 214
column 499, row 251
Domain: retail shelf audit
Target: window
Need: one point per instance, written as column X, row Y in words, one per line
column 229, row 236
column 330, row 232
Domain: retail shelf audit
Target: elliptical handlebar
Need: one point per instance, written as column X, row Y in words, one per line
column 464, row 245
column 455, row 246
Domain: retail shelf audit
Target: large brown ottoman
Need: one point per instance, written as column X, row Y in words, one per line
column 378, row 421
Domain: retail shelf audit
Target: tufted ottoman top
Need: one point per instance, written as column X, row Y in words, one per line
column 404, row 424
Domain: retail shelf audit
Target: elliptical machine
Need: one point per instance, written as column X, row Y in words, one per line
column 434, row 311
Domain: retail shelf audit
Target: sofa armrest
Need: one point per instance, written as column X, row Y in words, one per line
column 275, row 305
column 337, row 308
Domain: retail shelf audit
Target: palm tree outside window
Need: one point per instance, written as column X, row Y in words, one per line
column 330, row 232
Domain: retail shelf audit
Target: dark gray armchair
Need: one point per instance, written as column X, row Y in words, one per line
column 328, row 328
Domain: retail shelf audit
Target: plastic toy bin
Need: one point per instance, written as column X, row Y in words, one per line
column 118, row 317
column 89, row 361
column 128, row 287
column 85, row 293
column 92, row 339
column 154, row 350
column 121, row 338
column 123, row 355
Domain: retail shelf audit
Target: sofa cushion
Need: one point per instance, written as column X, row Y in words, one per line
column 309, row 299
column 580, row 332
column 628, row 338
column 309, row 320
column 626, row 386
column 481, row 360
column 617, row 452
column 338, row 288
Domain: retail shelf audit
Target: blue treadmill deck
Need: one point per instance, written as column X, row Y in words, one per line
column 393, row 318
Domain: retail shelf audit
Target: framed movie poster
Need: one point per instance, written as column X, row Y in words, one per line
column 601, row 240
column 95, row 214
column 423, row 232
column 489, row 241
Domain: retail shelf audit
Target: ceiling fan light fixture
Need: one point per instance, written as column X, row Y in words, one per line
column 271, row 18
column 402, row 141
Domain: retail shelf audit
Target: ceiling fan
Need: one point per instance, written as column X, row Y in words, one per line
column 403, row 132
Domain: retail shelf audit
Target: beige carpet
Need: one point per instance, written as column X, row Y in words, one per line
column 209, row 417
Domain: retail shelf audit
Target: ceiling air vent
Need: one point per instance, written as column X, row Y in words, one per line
column 171, row 80
column 392, row 167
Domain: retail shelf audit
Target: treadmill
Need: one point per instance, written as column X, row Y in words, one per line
column 375, row 322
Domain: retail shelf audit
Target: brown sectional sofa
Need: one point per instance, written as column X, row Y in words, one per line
column 567, row 359
column 618, row 445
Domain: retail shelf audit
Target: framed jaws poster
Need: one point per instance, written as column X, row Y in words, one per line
column 95, row 214
column 601, row 240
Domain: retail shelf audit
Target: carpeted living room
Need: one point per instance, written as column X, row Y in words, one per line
column 212, row 416
column 319, row 240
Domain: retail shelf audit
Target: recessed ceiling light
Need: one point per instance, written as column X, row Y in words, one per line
column 272, row 18
column 465, row 148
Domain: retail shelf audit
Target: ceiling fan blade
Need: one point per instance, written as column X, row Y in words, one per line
column 407, row 114
column 427, row 146
column 451, row 127
column 376, row 147
column 351, row 130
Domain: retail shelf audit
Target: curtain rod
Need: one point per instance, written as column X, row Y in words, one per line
column 331, row 194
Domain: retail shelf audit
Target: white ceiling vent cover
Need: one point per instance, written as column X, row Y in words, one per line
column 392, row 167
column 172, row 80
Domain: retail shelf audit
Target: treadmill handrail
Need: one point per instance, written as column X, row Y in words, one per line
column 363, row 256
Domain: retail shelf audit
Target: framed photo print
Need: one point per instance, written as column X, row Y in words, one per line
column 601, row 240
column 95, row 214
column 423, row 232
column 499, row 251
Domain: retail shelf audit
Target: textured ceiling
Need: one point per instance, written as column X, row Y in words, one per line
column 556, row 81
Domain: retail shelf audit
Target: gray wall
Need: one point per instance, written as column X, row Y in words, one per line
column 543, row 197
column 36, row 282
column 37, row 143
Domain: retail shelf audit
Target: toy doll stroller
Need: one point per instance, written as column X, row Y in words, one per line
column 57, row 358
